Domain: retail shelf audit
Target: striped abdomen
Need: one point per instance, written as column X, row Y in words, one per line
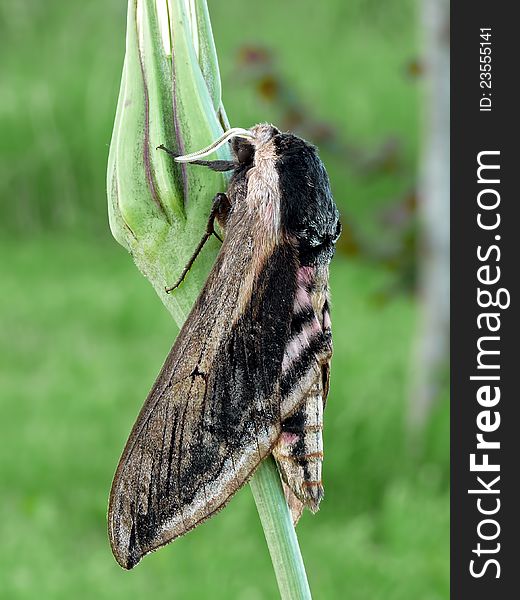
column 299, row 450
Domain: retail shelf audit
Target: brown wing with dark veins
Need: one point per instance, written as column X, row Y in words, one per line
column 215, row 410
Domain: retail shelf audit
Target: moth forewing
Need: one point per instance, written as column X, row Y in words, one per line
column 247, row 374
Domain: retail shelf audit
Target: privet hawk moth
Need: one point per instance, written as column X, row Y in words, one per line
column 249, row 372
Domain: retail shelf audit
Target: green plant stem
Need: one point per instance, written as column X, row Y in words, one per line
column 279, row 532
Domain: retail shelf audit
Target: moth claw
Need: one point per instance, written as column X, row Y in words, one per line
column 174, row 286
column 167, row 150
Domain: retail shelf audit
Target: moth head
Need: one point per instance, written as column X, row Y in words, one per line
column 257, row 147
column 246, row 145
column 227, row 136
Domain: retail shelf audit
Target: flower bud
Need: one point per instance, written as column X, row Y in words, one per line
column 170, row 94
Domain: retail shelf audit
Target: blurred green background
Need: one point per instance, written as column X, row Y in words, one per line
column 83, row 335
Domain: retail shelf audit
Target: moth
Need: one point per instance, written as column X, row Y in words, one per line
column 248, row 375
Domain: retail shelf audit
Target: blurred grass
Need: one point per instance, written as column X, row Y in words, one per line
column 83, row 335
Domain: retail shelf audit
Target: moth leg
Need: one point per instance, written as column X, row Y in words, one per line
column 222, row 206
column 219, row 209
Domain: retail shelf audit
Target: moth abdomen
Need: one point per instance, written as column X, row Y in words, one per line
column 299, row 450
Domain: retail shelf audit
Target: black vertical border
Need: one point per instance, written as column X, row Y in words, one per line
column 471, row 132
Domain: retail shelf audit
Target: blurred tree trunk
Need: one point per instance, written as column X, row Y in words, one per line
column 431, row 351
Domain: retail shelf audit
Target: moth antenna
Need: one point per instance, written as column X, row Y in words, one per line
column 225, row 137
